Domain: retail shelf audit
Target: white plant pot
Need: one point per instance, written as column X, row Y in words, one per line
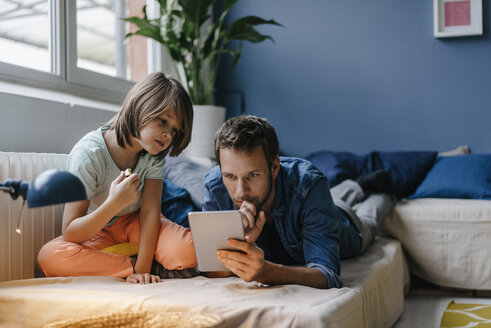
column 207, row 120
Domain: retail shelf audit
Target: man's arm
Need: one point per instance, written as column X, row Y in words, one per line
column 321, row 231
column 251, row 266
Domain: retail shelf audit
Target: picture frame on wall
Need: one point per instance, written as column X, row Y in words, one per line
column 453, row 18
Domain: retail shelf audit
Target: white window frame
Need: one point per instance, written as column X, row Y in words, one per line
column 65, row 76
column 82, row 76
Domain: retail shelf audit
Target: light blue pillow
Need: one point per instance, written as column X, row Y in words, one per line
column 467, row 176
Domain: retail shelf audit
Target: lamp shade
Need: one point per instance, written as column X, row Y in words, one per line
column 54, row 187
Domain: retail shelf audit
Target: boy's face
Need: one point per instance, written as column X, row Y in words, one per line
column 247, row 176
column 157, row 135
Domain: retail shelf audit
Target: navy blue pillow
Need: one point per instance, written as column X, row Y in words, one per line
column 337, row 166
column 407, row 168
column 467, row 176
column 176, row 203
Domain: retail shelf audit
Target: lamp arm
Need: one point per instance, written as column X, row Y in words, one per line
column 5, row 189
column 12, row 187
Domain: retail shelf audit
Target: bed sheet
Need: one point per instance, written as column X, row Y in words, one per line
column 373, row 296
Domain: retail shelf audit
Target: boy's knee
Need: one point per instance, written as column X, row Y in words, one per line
column 52, row 257
column 47, row 261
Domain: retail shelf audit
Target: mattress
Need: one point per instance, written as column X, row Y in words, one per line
column 373, row 296
column 447, row 241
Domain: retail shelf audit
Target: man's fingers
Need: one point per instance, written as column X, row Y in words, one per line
column 261, row 220
column 233, row 260
column 225, row 255
column 247, row 217
column 238, row 268
column 244, row 246
column 249, row 210
column 249, row 206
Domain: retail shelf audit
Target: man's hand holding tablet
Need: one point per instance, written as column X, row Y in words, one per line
column 211, row 231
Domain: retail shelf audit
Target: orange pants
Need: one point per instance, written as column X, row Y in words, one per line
column 59, row 258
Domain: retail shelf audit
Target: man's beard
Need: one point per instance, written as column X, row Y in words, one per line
column 259, row 204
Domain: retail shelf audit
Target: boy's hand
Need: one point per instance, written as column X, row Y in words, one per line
column 142, row 278
column 124, row 191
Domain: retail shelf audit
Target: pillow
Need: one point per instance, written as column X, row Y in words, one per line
column 188, row 174
column 465, row 176
column 407, row 168
column 337, row 166
column 176, row 203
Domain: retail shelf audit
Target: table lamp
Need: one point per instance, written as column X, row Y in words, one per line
column 48, row 188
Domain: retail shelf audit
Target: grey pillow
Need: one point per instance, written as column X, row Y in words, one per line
column 188, row 174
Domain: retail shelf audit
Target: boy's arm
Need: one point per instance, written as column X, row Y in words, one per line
column 78, row 226
column 149, row 224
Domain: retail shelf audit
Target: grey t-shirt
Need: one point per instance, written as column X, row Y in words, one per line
column 91, row 162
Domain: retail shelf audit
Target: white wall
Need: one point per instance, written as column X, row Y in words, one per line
column 29, row 124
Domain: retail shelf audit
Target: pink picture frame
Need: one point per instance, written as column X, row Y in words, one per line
column 454, row 18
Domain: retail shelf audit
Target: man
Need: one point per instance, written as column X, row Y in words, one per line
column 295, row 233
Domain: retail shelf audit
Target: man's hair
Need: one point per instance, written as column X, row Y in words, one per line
column 246, row 132
column 148, row 99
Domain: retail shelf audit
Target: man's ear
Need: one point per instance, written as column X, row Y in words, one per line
column 275, row 167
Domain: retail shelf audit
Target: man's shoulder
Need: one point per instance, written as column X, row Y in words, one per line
column 299, row 173
column 213, row 178
column 299, row 167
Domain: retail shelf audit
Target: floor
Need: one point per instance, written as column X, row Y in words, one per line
column 425, row 303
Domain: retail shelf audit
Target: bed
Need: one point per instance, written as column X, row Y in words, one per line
column 372, row 296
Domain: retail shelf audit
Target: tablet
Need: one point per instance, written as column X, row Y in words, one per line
column 210, row 233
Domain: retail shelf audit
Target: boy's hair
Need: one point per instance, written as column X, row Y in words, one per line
column 246, row 132
column 148, row 98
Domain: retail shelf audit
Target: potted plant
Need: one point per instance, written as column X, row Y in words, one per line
column 196, row 45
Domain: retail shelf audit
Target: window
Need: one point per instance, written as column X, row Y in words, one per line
column 77, row 46
column 25, row 33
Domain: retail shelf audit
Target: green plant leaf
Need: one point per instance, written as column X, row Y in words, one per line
column 223, row 51
column 254, row 20
column 140, row 22
column 163, row 4
column 197, row 51
column 229, row 4
column 196, row 11
column 243, row 29
column 237, row 55
column 150, row 33
column 246, row 32
column 144, row 11
column 211, row 38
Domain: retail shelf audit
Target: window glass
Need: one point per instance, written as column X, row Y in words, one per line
column 96, row 30
column 100, row 37
column 25, row 33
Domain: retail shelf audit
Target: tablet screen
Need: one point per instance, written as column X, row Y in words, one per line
column 210, row 233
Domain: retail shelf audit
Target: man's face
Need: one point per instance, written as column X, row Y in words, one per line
column 246, row 176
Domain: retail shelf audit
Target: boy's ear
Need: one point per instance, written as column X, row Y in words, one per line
column 275, row 167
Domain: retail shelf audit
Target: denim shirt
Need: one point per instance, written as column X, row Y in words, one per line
column 308, row 223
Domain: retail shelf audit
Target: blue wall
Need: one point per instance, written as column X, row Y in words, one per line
column 358, row 75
